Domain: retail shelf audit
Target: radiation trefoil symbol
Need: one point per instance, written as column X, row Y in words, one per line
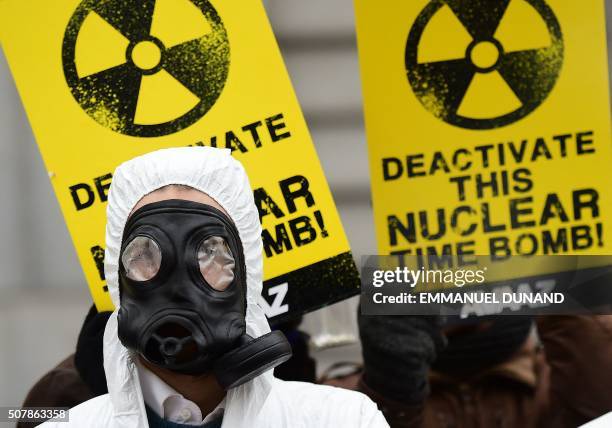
column 484, row 64
column 146, row 68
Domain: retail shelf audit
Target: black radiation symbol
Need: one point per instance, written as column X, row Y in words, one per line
column 442, row 86
column 195, row 68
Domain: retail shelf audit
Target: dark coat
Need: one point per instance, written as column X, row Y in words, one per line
column 563, row 381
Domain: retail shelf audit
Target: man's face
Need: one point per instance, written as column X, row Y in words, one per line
column 183, row 291
column 177, row 192
column 182, row 280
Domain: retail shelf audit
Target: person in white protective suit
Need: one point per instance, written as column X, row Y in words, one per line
column 183, row 265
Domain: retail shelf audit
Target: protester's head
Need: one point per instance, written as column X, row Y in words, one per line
column 184, row 265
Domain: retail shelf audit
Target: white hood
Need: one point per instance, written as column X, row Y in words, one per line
column 216, row 173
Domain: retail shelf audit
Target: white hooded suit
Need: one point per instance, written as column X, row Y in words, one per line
column 262, row 402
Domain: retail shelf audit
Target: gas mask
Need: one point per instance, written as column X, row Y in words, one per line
column 183, row 295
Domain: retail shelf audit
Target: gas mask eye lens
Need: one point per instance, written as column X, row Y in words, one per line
column 141, row 259
column 216, row 262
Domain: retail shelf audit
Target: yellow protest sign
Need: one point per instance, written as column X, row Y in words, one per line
column 488, row 126
column 103, row 81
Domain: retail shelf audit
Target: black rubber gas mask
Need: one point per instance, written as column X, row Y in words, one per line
column 183, row 294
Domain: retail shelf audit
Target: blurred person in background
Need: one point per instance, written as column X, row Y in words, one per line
column 505, row 371
column 188, row 344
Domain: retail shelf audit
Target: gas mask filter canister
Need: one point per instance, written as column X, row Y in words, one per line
column 183, row 295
